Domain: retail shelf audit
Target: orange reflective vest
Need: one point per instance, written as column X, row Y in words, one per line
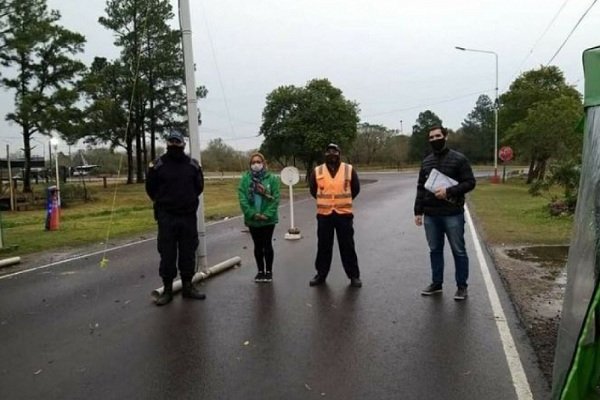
column 334, row 193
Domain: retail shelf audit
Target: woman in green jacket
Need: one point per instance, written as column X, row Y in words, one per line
column 258, row 193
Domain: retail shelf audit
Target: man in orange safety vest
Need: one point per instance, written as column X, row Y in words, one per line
column 335, row 184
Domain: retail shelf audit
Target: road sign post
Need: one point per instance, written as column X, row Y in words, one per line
column 505, row 154
column 290, row 176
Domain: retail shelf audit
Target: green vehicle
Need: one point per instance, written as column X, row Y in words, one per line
column 576, row 374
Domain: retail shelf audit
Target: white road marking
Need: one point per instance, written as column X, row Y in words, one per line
column 73, row 259
column 510, row 350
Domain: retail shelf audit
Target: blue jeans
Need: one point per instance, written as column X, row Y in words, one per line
column 453, row 227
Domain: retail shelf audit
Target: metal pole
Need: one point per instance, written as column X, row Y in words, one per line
column 10, row 180
column 57, row 175
column 495, row 178
column 205, row 274
column 496, row 106
column 192, row 113
column 292, row 207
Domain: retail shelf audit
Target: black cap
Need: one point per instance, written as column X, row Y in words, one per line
column 176, row 135
column 333, row 146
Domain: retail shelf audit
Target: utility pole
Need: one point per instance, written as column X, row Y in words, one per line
column 495, row 178
column 192, row 114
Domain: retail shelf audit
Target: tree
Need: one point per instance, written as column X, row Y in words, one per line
column 127, row 19
column 150, row 79
column 41, row 51
column 533, row 96
column 529, row 88
column 106, row 115
column 395, row 150
column 418, row 139
column 221, row 157
column 162, row 69
column 478, row 131
column 298, row 122
column 4, row 12
column 370, row 141
column 548, row 131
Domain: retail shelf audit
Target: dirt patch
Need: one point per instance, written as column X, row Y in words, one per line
column 535, row 278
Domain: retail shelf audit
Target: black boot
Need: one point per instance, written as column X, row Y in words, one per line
column 190, row 292
column 167, row 294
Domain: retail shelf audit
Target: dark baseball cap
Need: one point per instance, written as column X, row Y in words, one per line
column 333, row 146
column 176, row 135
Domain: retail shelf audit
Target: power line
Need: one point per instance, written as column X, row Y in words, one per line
column 430, row 104
column 570, row 33
column 212, row 49
column 540, row 37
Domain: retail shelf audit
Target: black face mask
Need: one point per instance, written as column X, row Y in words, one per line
column 437, row 145
column 332, row 159
column 176, row 152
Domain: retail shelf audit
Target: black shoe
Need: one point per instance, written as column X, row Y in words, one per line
column 461, row 293
column 190, row 292
column 317, row 280
column 166, row 296
column 432, row 289
column 355, row 282
column 268, row 276
column 260, row 277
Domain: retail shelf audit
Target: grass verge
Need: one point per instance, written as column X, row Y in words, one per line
column 507, row 214
column 90, row 222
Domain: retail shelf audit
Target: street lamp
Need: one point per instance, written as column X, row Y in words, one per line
column 54, row 143
column 495, row 178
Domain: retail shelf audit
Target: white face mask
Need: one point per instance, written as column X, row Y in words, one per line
column 256, row 167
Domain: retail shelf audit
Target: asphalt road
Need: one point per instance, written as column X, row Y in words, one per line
column 78, row 331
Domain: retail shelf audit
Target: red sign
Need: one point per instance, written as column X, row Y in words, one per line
column 505, row 153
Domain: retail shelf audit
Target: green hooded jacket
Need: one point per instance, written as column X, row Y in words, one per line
column 269, row 205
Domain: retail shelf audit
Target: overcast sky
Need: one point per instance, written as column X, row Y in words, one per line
column 395, row 58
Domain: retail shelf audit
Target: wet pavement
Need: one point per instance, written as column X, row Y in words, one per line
column 76, row 331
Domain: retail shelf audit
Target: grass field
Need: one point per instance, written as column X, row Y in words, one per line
column 92, row 222
column 508, row 214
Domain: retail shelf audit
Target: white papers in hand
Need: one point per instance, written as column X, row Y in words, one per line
column 438, row 180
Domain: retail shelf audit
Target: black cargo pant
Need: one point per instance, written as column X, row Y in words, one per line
column 177, row 243
column 342, row 225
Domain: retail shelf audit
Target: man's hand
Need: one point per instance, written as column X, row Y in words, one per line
column 418, row 220
column 260, row 217
column 440, row 193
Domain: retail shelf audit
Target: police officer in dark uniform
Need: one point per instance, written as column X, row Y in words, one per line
column 174, row 182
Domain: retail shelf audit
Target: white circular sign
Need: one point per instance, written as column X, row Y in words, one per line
column 290, row 176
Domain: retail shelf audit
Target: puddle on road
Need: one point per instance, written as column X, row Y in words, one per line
column 545, row 256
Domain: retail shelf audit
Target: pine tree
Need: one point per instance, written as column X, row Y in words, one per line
column 153, row 76
column 45, row 84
